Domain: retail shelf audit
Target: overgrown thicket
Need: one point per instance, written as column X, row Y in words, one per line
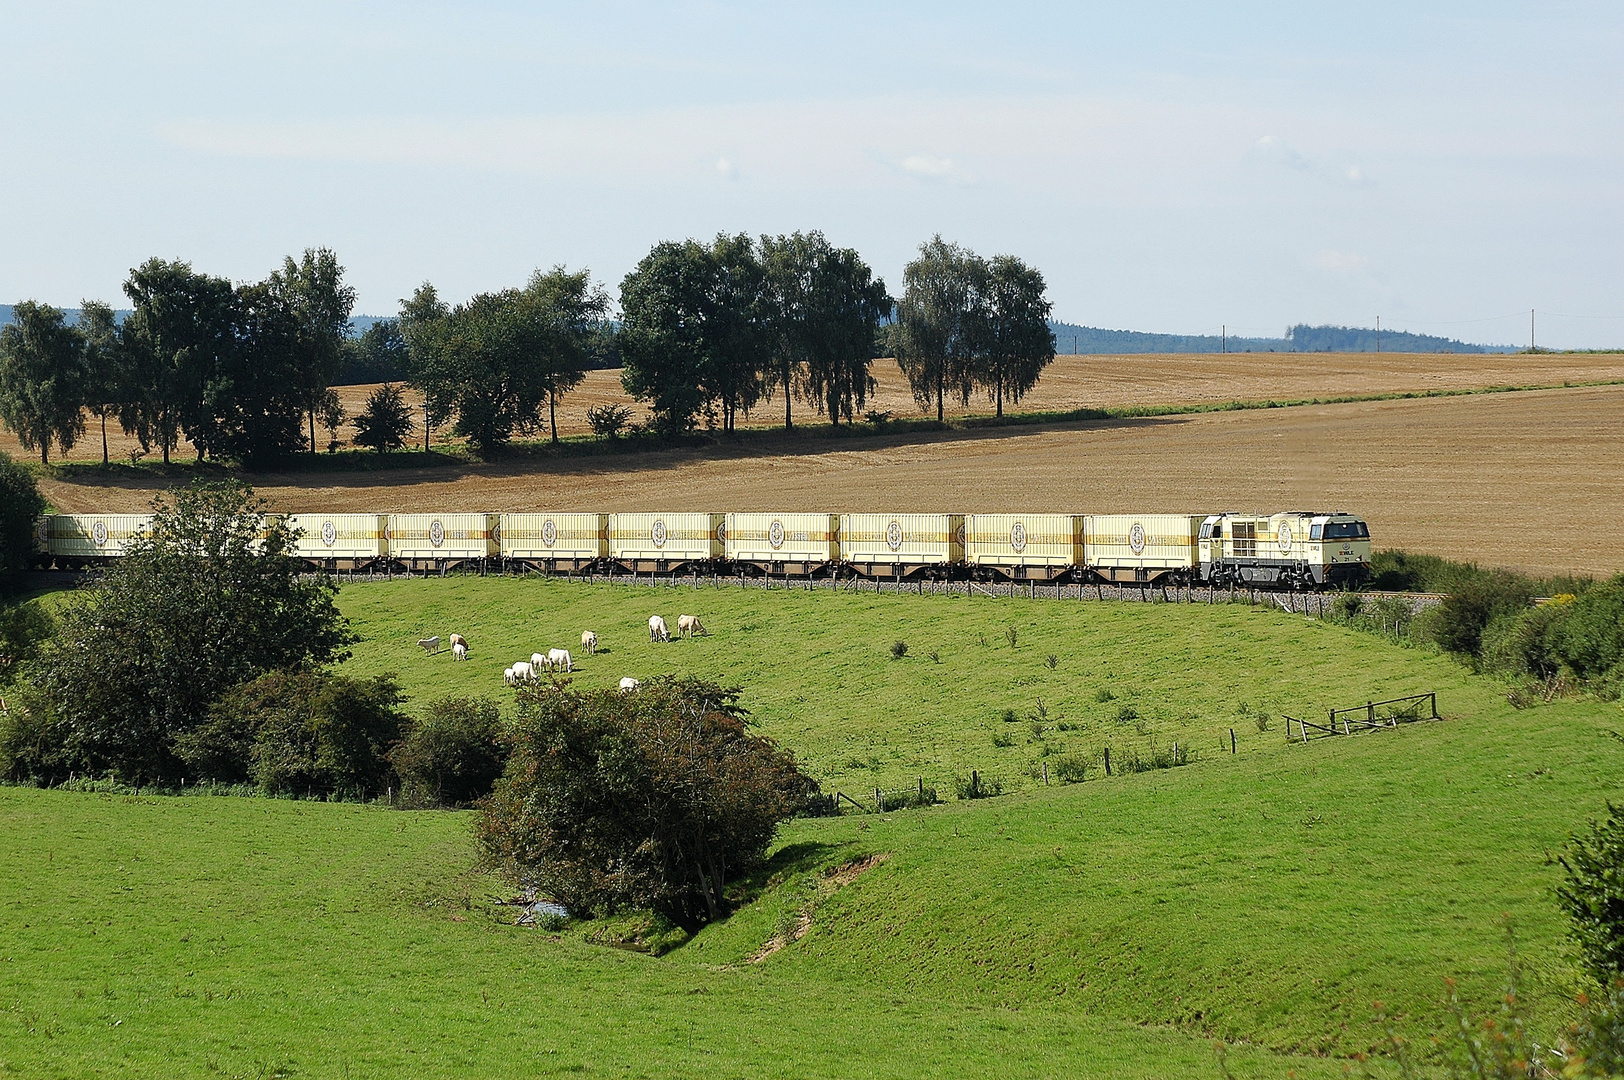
column 656, row 799
column 1571, row 638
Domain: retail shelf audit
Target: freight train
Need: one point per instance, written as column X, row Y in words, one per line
column 1292, row 550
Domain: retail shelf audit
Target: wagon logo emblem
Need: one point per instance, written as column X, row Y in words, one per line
column 1284, row 537
column 329, row 533
column 549, row 532
column 1017, row 538
column 656, row 532
column 1136, row 538
column 775, row 534
column 98, row 533
column 436, row 533
column 893, row 535
column 44, row 532
column 960, row 534
column 721, row 533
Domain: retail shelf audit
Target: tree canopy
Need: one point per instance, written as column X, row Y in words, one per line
column 931, row 337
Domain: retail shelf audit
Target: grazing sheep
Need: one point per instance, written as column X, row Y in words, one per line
column 524, row 672
column 459, row 650
column 458, row 639
column 689, row 625
column 589, row 642
column 628, row 684
column 430, row 645
column 657, row 630
column 509, row 678
column 559, row 660
column 540, row 662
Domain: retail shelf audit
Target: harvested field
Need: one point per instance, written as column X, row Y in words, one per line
column 1529, row 479
column 1074, row 382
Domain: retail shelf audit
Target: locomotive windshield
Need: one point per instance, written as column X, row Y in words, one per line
column 1346, row 530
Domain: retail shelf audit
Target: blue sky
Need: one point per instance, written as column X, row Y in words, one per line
column 1169, row 167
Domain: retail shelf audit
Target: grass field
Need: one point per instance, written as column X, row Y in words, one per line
column 1525, row 479
column 1109, row 928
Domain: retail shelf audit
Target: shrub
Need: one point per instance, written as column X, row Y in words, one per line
column 385, row 421
column 609, row 420
column 1103, row 694
column 1127, row 714
column 1011, row 635
column 1071, row 769
column 24, row 628
column 1465, row 614
column 976, row 786
column 899, row 649
column 907, row 799
column 453, row 754
column 1051, row 661
column 301, row 733
column 1588, row 634
column 1003, row 740
column 20, row 507
column 1592, row 895
column 657, row 799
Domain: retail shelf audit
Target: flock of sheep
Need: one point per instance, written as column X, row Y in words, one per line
column 559, row 660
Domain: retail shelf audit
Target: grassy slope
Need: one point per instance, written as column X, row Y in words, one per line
column 819, row 676
column 1269, row 896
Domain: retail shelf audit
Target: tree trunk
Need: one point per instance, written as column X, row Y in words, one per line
column 104, row 437
column 45, row 450
column 1000, row 385
column 552, row 412
column 941, row 377
column 788, row 423
column 312, row 429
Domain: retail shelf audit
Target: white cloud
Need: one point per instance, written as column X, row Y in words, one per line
column 935, row 168
column 726, row 169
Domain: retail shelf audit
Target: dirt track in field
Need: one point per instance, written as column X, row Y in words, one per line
column 1531, row 479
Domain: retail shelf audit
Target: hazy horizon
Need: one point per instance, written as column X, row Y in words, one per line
column 1169, row 170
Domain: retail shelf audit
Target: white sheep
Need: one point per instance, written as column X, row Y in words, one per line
column 628, row 684
column 459, row 650
column 657, row 630
column 539, row 662
column 589, row 642
column 689, row 625
column 523, row 672
column 509, row 678
column 559, row 660
column 458, row 639
column 430, row 645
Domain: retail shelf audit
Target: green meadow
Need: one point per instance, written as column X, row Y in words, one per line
column 1110, row 928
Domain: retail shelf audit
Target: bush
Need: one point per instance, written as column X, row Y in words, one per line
column 657, row 799
column 385, row 421
column 1071, row 769
column 301, row 733
column 1127, row 714
column 1002, row 740
column 1592, row 895
column 1465, row 614
column 899, row 649
column 1588, row 634
column 976, row 786
column 20, row 507
column 453, row 754
column 608, row 421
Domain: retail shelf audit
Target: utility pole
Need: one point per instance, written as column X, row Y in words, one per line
column 1378, row 333
column 1223, row 338
column 1530, row 329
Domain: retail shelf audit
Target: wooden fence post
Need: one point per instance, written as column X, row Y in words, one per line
column 1107, row 761
column 1232, row 737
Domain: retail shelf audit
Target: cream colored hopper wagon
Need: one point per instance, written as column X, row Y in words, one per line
column 1025, row 547
column 340, row 541
column 901, row 545
column 784, row 543
column 555, row 541
column 660, row 543
column 76, row 539
column 442, row 540
column 1143, row 547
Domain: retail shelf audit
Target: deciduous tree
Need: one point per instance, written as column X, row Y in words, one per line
column 385, row 421
column 1009, row 328
column 314, row 290
column 42, row 378
column 931, row 334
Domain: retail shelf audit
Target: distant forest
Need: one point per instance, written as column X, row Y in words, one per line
column 1068, row 337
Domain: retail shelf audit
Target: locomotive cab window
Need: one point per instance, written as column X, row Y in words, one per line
column 1347, row 530
column 1316, row 532
column 1206, row 531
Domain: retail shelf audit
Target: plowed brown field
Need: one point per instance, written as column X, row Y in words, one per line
column 1533, row 479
